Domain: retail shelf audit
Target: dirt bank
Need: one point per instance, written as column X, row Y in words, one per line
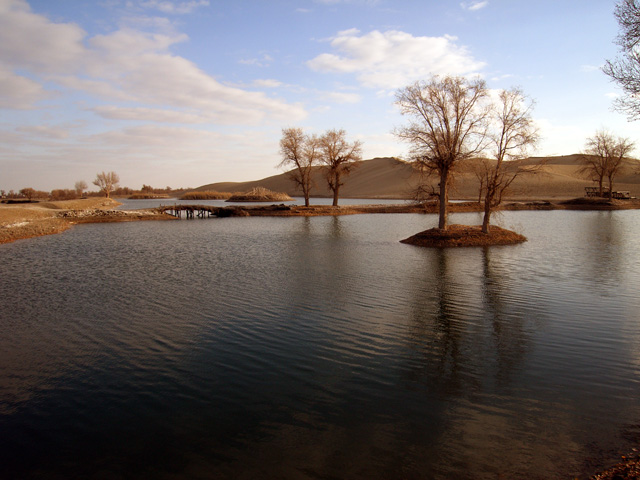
column 20, row 221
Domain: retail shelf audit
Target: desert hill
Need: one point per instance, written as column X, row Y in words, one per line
column 552, row 177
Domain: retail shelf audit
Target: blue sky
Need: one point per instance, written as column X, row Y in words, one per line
column 186, row 92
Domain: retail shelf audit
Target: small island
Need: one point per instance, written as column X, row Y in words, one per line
column 464, row 236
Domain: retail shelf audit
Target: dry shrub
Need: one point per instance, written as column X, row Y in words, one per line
column 260, row 194
column 206, row 195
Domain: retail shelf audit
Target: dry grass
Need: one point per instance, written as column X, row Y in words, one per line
column 260, row 194
column 206, row 195
column 148, row 196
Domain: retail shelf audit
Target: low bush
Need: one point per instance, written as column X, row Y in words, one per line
column 206, row 195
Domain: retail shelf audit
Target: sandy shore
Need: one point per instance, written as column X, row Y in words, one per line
column 21, row 221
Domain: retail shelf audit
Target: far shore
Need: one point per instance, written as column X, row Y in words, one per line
column 21, row 221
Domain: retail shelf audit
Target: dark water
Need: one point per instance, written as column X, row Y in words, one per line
column 320, row 348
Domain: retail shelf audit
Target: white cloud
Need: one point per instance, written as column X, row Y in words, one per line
column 612, row 95
column 179, row 8
column 473, row 6
column 342, row 97
column 31, row 41
column 267, row 83
column 125, row 65
column 589, row 68
column 393, row 58
column 560, row 139
column 44, row 131
column 113, row 112
column 264, row 61
column 356, row 2
column 18, row 92
column 499, row 78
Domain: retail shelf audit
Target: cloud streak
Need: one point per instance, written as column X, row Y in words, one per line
column 473, row 6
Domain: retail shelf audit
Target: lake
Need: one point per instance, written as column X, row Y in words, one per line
column 320, row 348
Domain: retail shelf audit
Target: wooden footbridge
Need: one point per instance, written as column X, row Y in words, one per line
column 207, row 211
column 199, row 211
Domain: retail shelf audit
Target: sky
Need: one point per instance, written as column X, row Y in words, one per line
column 183, row 93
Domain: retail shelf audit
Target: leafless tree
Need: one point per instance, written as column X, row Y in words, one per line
column 449, row 121
column 301, row 152
column 80, row 187
column 513, row 133
column 603, row 158
column 339, row 157
column 28, row 193
column 625, row 70
column 107, row 182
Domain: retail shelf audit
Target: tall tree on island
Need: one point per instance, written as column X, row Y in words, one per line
column 449, row 124
column 603, row 158
column 513, row 132
column 339, row 157
column 301, row 152
column 107, row 182
column 625, row 70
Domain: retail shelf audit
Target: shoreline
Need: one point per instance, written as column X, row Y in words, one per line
column 23, row 221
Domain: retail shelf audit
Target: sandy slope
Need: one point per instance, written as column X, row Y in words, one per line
column 19, row 221
column 558, row 177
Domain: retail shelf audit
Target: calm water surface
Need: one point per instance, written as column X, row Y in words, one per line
column 320, row 348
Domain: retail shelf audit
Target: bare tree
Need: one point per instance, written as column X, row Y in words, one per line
column 80, row 187
column 603, row 158
column 301, row 152
column 28, row 193
column 107, row 182
column 449, row 121
column 339, row 157
column 621, row 148
column 625, row 70
column 513, row 133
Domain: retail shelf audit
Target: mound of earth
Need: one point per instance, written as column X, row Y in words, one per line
column 260, row 194
column 464, row 236
column 589, row 201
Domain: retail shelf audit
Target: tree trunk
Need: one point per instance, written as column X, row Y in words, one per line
column 610, row 188
column 305, row 192
column 306, row 188
column 444, row 201
column 600, row 187
column 487, row 214
column 336, row 188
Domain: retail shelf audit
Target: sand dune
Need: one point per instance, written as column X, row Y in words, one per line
column 554, row 178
